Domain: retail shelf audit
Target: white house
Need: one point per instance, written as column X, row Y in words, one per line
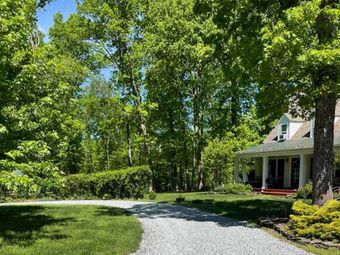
column 285, row 159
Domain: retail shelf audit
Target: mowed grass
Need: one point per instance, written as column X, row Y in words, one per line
column 247, row 207
column 68, row 230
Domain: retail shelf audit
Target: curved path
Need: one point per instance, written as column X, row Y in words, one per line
column 170, row 229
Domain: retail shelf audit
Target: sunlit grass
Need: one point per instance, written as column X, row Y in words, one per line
column 67, row 230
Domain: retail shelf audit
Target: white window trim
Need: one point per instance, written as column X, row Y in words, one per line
column 280, row 132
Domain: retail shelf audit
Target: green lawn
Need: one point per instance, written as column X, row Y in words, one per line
column 67, row 230
column 242, row 207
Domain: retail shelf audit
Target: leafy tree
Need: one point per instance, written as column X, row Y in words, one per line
column 218, row 156
column 181, row 62
column 289, row 48
column 39, row 131
column 302, row 50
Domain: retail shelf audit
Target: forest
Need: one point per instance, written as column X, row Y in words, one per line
column 177, row 85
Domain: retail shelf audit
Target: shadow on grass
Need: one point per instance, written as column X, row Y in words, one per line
column 235, row 212
column 23, row 225
column 249, row 210
column 111, row 211
column 166, row 211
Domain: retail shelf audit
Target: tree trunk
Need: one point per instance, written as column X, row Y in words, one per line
column 323, row 168
column 128, row 138
column 235, row 104
column 197, row 166
column 107, row 152
column 325, row 77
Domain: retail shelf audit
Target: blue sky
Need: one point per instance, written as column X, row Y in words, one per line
column 45, row 16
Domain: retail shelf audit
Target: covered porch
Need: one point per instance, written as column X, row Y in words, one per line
column 276, row 167
column 282, row 172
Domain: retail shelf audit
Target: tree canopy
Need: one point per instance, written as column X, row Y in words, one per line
column 177, row 85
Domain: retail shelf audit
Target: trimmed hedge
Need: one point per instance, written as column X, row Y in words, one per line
column 132, row 182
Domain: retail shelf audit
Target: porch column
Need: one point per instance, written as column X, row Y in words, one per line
column 236, row 170
column 264, row 172
column 302, row 172
column 244, row 176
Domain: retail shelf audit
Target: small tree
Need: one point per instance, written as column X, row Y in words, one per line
column 218, row 156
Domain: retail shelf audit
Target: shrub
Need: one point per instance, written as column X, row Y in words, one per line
column 152, row 195
column 238, row 188
column 126, row 183
column 20, row 186
column 220, row 189
column 305, row 191
column 311, row 221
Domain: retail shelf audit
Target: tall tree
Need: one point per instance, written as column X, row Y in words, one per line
column 294, row 46
column 302, row 50
column 37, row 118
column 182, row 60
column 112, row 41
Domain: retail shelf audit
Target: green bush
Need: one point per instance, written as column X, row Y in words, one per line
column 152, row 195
column 305, row 191
column 311, row 221
column 126, row 183
column 19, row 186
column 220, row 189
column 238, row 188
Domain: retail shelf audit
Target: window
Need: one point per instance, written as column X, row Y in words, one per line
column 283, row 132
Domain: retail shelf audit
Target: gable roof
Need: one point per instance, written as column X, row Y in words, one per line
column 302, row 132
column 300, row 141
column 284, row 147
column 291, row 118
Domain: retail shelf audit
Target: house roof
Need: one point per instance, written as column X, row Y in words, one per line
column 302, row 132
column 297, row 119
column 289, row 145
column 299, row 141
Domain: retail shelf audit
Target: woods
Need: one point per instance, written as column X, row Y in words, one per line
column 176, row 85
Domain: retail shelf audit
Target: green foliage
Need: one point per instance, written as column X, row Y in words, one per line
column 311, row 221
column 19, row 186
column 305, row 191
column 152, row 195
column 234, row 188
column 127, row 183
column 238, row 188
column 218, row 157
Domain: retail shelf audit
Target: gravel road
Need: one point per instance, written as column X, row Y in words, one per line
column 170, row 229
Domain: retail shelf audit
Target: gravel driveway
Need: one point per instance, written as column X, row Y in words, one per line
column 170, row 229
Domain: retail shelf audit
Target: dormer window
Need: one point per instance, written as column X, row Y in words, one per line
column 283, row 132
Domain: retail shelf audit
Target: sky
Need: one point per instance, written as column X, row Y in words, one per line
column 45, row 16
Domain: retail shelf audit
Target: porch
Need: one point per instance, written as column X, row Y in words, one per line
column 275, row 174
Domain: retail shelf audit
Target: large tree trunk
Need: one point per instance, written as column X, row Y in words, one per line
column 325, row 104
column 323, row 149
